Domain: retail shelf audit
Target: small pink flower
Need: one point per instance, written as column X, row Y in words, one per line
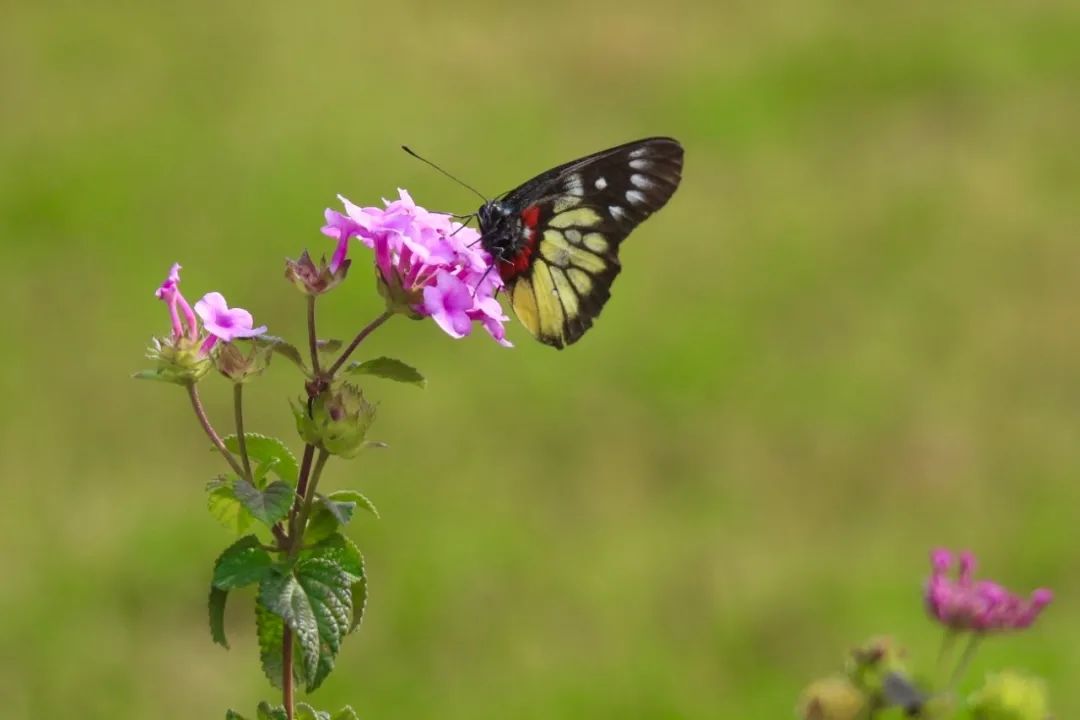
column 224, row 323
column 431, row 265
column 963, row 603
column 169, row 292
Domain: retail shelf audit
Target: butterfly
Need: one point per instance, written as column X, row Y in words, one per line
column 555, row 238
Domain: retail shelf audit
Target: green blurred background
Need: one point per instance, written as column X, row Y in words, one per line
column 851, row 336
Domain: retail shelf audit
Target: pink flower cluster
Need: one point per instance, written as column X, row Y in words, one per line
column 219, row 320
column 434, row 263
column 964, row 603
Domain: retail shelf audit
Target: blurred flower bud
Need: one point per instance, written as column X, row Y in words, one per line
column 240, row 366
column 398, row 298
column 833, row 698
column 312, row 279
column 879, row 669
column 179, row 360
column 336, row 420
column 1010, row 695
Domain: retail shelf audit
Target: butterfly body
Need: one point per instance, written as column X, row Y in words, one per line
column 555, row 238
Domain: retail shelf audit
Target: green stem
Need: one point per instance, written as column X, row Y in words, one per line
column 948, row 642
column 965, row 660
column 356, row 342
column 313, row 342
column 241, row 439
column 286, row 671
column 200, row 413
column 297, row 537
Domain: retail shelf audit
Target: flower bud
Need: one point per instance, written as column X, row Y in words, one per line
column 398, row 298
column 179, row 360
column 240, row 367
column 870, row 665
column 312, row 279
column 833, row 698
column 1010, row 695
column 336, row 420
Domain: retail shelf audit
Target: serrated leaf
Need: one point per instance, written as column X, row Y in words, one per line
column 269, row 505
column 359, row 602
column 286, row 350
column 242, row 563
column 328, row 589
column 345, row 713
column 270, row 630
column 321, row 525
column 216, row 606
column 226, row 508
column 357, row 498
column 270, row 451
column 277, row 712
column 333, row 511
column 233, row 715
column 282, row 594
column 342, row 511
column 345, row 555
column 306, row 712
column 388, row 369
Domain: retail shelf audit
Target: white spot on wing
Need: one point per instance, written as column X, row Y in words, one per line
column 600, row 183
column 640, row 164
column 635, row 197
column 639, row 152
column 640, row 181
column 573, row 236
column 574, row 185
column 617, row 212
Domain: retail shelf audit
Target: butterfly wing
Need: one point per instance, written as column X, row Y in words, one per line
column 579, row 213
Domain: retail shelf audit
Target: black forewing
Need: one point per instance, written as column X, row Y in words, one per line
column 624, row 185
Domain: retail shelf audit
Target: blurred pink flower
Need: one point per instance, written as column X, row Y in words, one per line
column 224, row 323
column 432, row 265
column 169, row 292
column 963, row 603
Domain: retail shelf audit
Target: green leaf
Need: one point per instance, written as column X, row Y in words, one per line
column 283, row 595
column 270, row 451
column 329, row 591
column 217, row 616
column 388, row 369
column 328, row 346
column 277, row 712
column 321, row 525
column 286, row 350
column 343, row 553
column 160, row 375
column 354, row 498
column 333, row 511
column 242, row 563
column 233, row 715
column 226, row 507
column 269, row 505
column 270, row 630
column 345, row 713
column 306, row 712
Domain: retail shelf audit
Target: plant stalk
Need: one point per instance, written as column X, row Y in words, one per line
column 313, row 341
column 200, row 413
column 241, row 439
column 357, row 340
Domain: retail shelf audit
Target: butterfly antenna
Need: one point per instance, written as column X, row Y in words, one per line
column 464, row 184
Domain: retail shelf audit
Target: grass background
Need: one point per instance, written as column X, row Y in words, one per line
column 853, row 335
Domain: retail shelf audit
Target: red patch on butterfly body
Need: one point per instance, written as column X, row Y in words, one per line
column 509, row 269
